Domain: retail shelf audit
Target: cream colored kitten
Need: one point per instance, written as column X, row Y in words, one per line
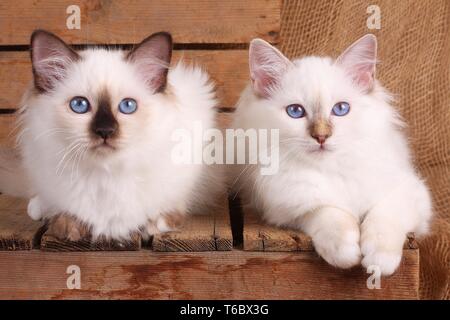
column 346, row 176
column 96, row 137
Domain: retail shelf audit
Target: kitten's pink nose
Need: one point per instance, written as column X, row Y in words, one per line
column 321, row 130
column 321, row 138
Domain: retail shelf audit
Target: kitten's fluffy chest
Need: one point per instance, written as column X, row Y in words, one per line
column 354, row 184
column 115, row 195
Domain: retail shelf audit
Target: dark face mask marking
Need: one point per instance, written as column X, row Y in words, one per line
column 104, row 124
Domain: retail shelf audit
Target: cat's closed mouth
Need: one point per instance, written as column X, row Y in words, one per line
column 105, row 145
column 321, row 149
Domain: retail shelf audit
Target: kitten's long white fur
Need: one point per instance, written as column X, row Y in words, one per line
column 359, row 199
column 118, row 193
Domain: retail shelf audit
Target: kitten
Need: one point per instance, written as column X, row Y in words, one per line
column 346, row 176
column 96, row 137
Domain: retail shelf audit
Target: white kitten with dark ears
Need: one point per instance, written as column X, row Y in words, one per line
column 346, row 175
column 96, row 137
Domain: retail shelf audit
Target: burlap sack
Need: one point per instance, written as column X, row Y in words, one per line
column 414, row 53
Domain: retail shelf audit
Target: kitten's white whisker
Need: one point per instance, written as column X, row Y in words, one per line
column 70, row 158
column 75, row 145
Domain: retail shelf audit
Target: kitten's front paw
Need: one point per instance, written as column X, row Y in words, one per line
column 34, row 208
column 165, row 223
column 339, row 250
column 387, row 262
column 66, row 227
column 381, row 249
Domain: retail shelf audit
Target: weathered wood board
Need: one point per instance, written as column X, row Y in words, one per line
column 199, row 233
column 227, row 68
column 200, row 275
column 50, row 243
column 259, row 236
column 103, row 21
column 17, row 230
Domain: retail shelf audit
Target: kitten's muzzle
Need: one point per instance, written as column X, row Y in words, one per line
column 104, row 124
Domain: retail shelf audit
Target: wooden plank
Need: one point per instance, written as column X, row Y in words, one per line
column 13, row 204
column 7, row 132
column 228, row 69
column 50, row 243
column 103, row 21
column 260, row 236
column 17, row 230
column 198, row 233
column 200, row 275
column 222, row 228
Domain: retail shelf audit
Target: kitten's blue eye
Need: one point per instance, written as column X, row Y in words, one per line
column 128, row 106
column 295, row 111
column 341, row 109
column 79, row 105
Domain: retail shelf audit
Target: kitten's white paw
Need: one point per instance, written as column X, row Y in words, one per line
column 166, row 223
column 158, row 226
column 387, row 262
column 34, row 209
column 382, row 249
column 339, row 250
column 163, row 226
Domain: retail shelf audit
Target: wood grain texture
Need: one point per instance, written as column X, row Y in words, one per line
column 260, row 236
column 206, row 232
column 51, row 243
column 223, row 236
column 200, row 275
column 103, row 21
column 227, row 68
column 17, row 230
column 7, row 132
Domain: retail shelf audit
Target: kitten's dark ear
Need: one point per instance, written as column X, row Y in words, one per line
column 153, row 56
column 359, row 61
column 50, row 57
column 267, row 66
